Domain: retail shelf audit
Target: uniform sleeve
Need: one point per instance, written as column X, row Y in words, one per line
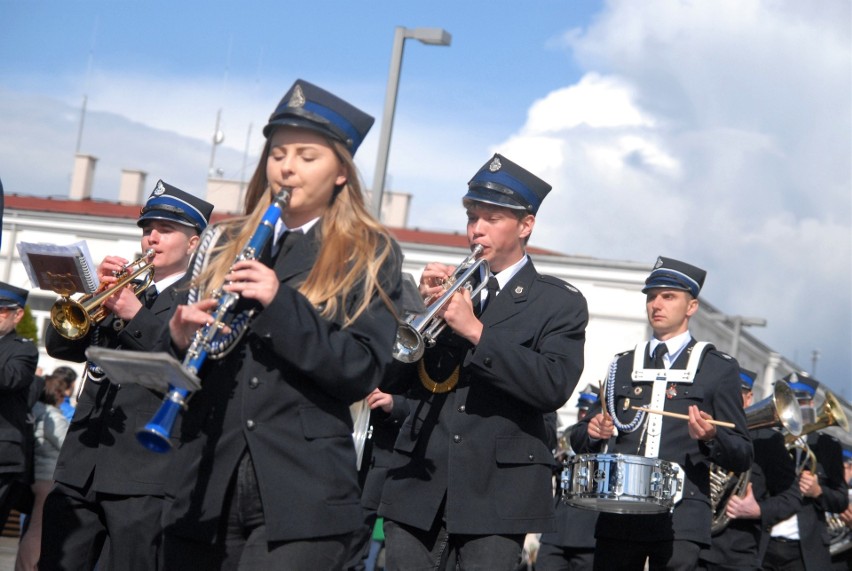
column 829, row 454
column 731, row 449
column 19, row 365
column 581, row 443
column 64, row 349
column 784, row 499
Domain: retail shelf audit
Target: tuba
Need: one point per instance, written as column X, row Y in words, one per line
column 780, row 409
column 414, row 336
column 72, row 318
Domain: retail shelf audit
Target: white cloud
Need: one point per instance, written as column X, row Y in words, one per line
column 718, row 132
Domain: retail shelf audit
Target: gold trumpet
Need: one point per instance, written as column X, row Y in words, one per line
column 72, row 318
column 421, row 331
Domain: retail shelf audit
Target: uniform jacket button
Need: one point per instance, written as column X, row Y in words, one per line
column 457, row 438
column 254, row 382
column 461, row 408
column 250, row 424
column 532, row 457
column 487, row 361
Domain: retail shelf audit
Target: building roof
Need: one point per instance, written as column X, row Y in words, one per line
column 110, row 209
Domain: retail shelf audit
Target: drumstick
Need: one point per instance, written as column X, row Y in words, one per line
column 603, row 399
column 683, row 416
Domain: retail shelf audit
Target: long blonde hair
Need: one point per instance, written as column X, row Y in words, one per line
column 354, row 245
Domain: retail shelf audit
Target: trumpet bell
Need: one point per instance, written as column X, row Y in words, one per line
column 73, row 318
column 409, row 345
column 70, row 319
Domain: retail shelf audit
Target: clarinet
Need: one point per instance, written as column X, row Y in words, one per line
column 155, row 435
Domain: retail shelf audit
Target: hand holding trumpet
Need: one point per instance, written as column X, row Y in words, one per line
column 124, row 303
column 458, row 311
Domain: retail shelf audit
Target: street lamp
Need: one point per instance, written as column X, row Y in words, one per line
column 430, row 36
column 738, row 322
column 218, row 137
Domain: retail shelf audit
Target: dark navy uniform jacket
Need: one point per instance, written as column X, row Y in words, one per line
column 715, row 390
column 101, row 440
column 18, row 360
column 283, row 394
column 483, row 446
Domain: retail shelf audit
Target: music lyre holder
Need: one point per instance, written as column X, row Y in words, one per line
column 156, row 371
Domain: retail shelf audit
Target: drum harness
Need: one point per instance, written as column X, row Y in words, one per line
column 660, row 379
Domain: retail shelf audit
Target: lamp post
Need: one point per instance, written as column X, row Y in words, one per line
column 430, row 36
column 218, row 137
column 738, row 322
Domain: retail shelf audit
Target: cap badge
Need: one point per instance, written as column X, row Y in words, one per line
column 659, row 263
column 159, row 190
column 495, row 165
column 298, row 98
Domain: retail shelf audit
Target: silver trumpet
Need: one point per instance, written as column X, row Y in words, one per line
column 414, row 336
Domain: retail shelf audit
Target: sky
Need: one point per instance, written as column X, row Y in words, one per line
column 718, row 132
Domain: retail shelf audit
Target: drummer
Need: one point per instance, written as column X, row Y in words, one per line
column 671, row 373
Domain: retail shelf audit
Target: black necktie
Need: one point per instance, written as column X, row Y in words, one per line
column 493, row 286
column 658, row 356
column 150, row 296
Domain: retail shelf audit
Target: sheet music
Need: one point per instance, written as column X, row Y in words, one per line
column 56, row 268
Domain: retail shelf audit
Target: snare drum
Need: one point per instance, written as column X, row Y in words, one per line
column 621, row 483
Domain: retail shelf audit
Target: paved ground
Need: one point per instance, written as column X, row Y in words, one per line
column 8, row 550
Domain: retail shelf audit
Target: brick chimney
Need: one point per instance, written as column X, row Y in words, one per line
column 82, row 178
column 132, row 189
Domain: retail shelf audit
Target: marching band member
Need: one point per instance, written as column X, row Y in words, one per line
column 672, row 373
column 107, row 485
column 802, row 540
column 841, row 559
column 572, row 546
column 471, row 473
column 265, row 474
column 18, row 360
column 772, row 495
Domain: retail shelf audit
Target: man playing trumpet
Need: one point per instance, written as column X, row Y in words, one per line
column 107, row 484
column 471, row 473
column 671, row 373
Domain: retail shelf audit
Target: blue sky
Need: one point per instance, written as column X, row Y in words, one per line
column 718, row 132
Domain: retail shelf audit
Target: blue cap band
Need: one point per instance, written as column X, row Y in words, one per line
column 12, row 296
column 802, row 388
column 664, row 277
column 510, row 183
column 176, row 205
column 335, row 120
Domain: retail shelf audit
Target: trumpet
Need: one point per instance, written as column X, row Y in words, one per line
column 420, row 331
column 73, row 318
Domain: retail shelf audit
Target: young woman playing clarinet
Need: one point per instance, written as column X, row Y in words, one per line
column 264, row 474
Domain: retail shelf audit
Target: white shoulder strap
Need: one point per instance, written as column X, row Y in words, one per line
column 686, row 375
